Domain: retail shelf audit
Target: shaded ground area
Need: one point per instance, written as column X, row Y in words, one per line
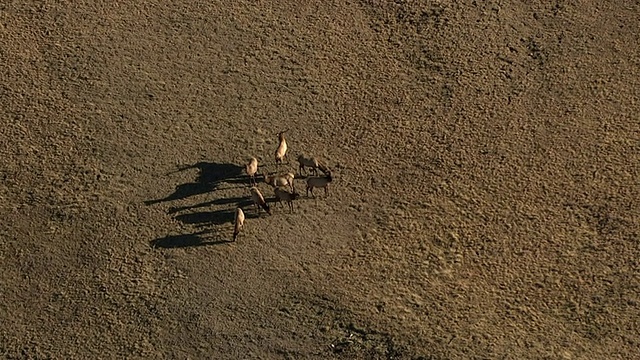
column 485, row 200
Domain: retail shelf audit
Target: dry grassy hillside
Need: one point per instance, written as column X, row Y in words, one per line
column 485, row 201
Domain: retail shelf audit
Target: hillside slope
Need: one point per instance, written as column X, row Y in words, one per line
column 485, row 201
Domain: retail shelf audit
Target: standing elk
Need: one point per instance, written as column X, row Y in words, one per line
column 251, row 169
column 319, row 182
column 281, row 151
column 238, row 223
column 282, row 193
column 258, row 200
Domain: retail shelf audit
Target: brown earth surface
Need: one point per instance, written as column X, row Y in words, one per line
column 485, row 201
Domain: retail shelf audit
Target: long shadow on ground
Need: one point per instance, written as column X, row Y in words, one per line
column 218, row 217
column 239, row 201
column 185, row 240
column 210, row 176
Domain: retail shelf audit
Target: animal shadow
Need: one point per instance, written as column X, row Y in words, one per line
column 218, row 217
column 185, row 240
column 239, row 201
column 209, row 177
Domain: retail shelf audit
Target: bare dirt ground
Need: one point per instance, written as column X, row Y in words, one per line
column 485, row 202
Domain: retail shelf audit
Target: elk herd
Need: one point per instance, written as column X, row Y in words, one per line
column 282, row 184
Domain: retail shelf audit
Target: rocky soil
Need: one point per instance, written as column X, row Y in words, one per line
column 485, row 201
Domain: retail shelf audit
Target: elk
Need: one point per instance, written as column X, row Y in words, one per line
column 251, row 169
column 280, row 180
column 282, row 193
column 319, row 182
column 258, row 200
column 308, row 162
column 238, row 223
column 281, row 151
